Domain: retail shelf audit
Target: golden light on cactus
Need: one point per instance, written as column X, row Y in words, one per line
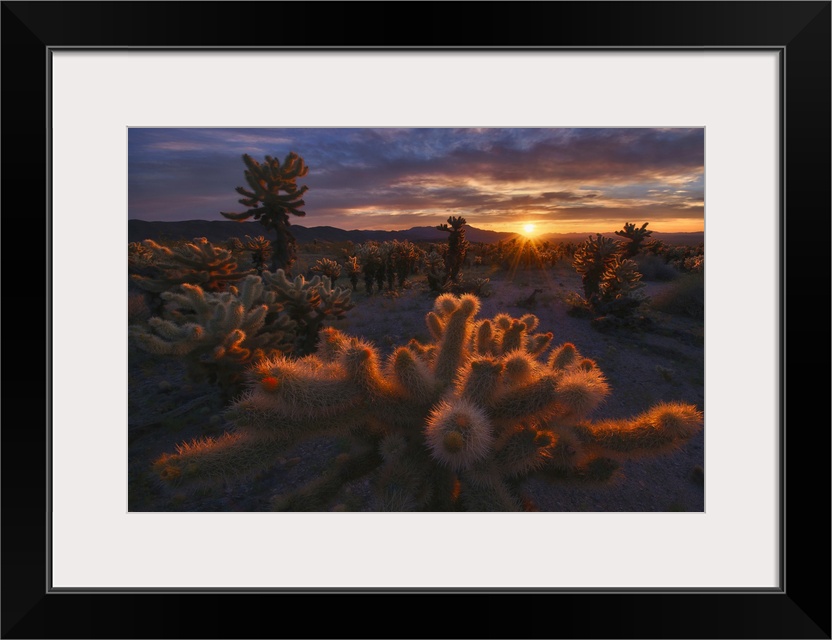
column 580, row 391
column 458, row 433
column 675, row 418
column 481, row 405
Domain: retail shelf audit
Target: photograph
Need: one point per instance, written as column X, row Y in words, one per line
column 416, row 319
column 414, row 312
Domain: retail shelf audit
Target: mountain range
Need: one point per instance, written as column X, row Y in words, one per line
column 220, row 230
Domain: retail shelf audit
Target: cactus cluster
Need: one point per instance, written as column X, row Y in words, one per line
column 218, row 334
column 390, row 262
column 308, row 303
column 327, row 268
column 454, row 424
column 199, row 262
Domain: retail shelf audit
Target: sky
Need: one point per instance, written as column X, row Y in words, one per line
column 560, row 180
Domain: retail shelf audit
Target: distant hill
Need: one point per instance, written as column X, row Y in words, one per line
column 221, row 230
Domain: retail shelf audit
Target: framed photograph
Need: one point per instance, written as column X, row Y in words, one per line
column 89, row 84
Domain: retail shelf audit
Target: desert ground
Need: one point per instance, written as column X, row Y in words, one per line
column 660, row 359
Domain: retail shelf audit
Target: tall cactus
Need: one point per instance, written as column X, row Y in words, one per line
column 455, row 424
column 272, row 195
column 457, row 247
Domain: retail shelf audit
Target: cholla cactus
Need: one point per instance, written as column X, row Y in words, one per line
column 457, row 247
column 370, row 257
column 610, row 280
column 456, row 424
column 636, row 237
column 309, row 303
column 328, row 268
column 619, row 290
column 199, row 262
column 261, row 250
column 139, row 258
column 353, row 271
column 591, row 260
column 218, row 334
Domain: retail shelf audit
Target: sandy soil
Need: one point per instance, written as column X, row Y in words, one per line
column 663, row 361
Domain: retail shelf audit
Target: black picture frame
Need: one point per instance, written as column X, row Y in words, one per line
column 800, row 608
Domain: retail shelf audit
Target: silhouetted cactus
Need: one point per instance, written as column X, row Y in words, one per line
column 455, row 424
column 457, row 247
column 371, row 263
column 636, row 237
column 272, row 195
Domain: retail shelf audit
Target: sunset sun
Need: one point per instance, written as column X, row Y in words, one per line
column 528, row 229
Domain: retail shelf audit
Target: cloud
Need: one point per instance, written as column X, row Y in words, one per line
column 412, row 174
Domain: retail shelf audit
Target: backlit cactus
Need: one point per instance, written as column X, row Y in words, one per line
column 218, row 334
column 610, row 280
column 636, row 237
column 458, row 423
column 308, row 303
column 327, row 268
column 199, row 262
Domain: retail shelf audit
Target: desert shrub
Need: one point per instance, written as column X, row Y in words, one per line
column 685, row 297
column 457, row 423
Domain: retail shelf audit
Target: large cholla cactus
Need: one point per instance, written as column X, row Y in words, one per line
column 218, row 334
column 309, row 303
column 272, row 195
column 456, row 424
column 199, row 262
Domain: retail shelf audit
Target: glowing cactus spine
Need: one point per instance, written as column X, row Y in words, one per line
column 455, row 424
